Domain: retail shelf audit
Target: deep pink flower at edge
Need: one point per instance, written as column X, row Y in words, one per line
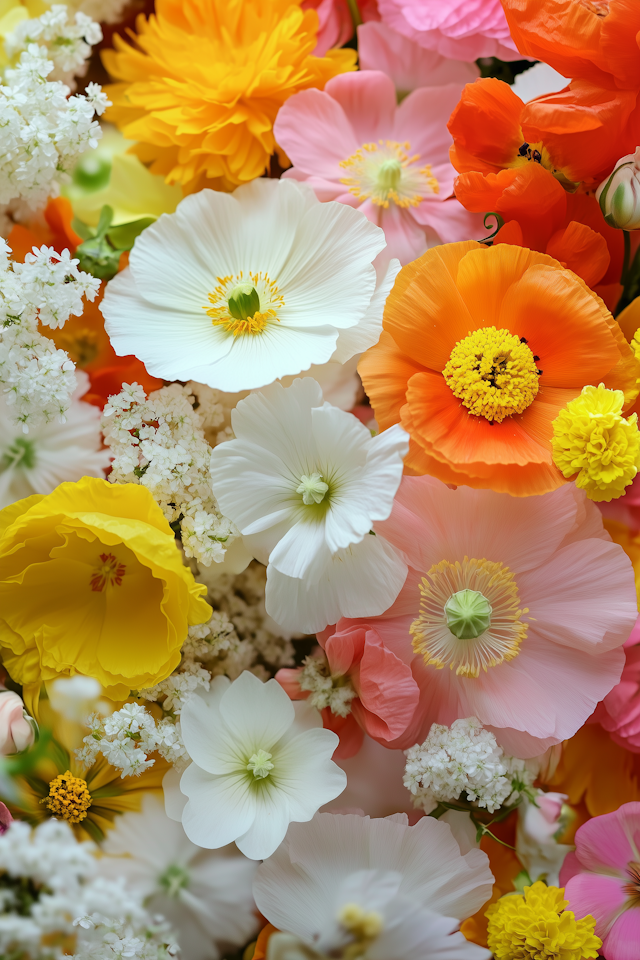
column 602, row 878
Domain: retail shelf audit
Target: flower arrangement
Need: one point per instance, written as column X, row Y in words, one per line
column 319, row 453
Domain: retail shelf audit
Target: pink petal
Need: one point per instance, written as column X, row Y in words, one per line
column 406, row 240
column 449, row 220
column 312, row 129
column 623, row 941
column 422, row 120
column 388, row 692
column 344, row 649
column 368, row 99
column 584, row 597
column 609, row 842
column 599, row 896
column 570, row 868
column 289, row 680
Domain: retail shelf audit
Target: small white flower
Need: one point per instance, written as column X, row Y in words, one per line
column 377, row 888
column 259, row 762
column 304, row 483
column 207, row 895
column 238, row 290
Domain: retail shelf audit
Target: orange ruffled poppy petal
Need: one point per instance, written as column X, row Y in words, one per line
column 486, row 127
column 386, row 370
column 581, row 249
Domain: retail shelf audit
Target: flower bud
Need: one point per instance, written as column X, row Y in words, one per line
column 16, row 732
column 619, row 195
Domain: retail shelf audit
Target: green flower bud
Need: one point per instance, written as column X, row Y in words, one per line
column 468, row 614
column 244, row 301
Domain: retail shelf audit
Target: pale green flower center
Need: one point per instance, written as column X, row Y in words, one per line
column 313, row 488
column 21, row 453
column 389, row 174
column 260, row 764
column 244, row 301
column 174, row 879
column 468, row 614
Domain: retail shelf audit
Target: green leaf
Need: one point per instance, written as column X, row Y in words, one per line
column 106, row 217
column 124, row 235
column 82, row 229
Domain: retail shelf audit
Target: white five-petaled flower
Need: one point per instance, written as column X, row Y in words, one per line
column 238, row 290
column 259, row 762
column 206, row 896
column 304, row 483
column 345, row 885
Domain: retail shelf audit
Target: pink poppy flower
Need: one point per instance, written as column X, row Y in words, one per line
column 459, row 29
column 514, row 611
column 407, row 63
column 602, row 878
column 351, row 142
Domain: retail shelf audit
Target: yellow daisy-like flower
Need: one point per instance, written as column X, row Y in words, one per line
column 201, row 88
column 537, row 926
column 593, row 443
column 92, row 582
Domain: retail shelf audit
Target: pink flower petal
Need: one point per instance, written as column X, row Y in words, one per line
column 368, row 99
column 312, row 129
column 609, row 842
column 422, row 120
column 623, row 941
column 596, row 895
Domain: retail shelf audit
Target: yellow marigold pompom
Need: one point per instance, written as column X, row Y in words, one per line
column 537, row 926
column 593, row 443
column 92, row 582
column 201, row 88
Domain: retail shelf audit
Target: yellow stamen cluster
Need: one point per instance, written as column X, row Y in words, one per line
column 364, row 926
column 68, row 798
column 268, row 296
column 493, row 373
column 384, row 173
column 595, row 445
column 537, row 926
column 504, row 634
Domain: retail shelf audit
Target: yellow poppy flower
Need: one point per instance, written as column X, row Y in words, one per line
column 92, row 582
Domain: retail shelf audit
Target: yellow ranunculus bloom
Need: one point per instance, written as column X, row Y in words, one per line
column 92, row 582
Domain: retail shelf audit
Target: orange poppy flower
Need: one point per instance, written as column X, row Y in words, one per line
column 577, row 134
column 591, row 39
column 481, row 349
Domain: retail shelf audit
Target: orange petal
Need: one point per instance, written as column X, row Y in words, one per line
column 485, row 127
column 385, row 371
column 582, row 250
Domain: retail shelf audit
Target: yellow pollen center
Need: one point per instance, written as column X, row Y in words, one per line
column 109, row 573
column 493, row 373
column 82, row 346
column 68, row 798
column 462, row 651
column 245, row 304
column 385, row 173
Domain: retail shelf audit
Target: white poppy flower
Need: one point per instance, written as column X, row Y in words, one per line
column 238, row 290
column 345, row 884
column 51, row 452
column 205, row 896
column 259, row 762
column 304, row 482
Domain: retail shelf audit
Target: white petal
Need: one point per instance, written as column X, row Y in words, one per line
column 174, row 799
column 206, row 738
column 366, row 332
column 361, row 581
column 219, row 810
column 269, row 826
column 257, row 713
column 383, row 472
column 305, row 772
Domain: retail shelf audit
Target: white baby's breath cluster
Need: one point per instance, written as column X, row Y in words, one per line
column 38, row 379
column 44, row 130
column 108, row 939
column 66, row 37
column 324, row 689
column 464, row 758
column 128, row 736
column 48, row 879
column 159, row 441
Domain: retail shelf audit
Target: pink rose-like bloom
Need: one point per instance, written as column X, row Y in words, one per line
column 602, row 878
column 16, row 733
column 336, row 24
column 459, row 29
column 407, row 63
column 619, row 712
column 561, row 602
column 352, row 143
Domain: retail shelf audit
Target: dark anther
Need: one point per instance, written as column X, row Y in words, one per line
column 539, row 372
column 537, row 156
column 523, row 149
column 535, row 359
column 523, row 340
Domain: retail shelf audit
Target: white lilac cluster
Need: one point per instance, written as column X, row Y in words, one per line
column 47, row 288
column 464, row 758
column 109, row 939
column 324, row 689
column 44, row 130
column 48, row 878
column 66, row 37
column 159, row 441
column 128, row 736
